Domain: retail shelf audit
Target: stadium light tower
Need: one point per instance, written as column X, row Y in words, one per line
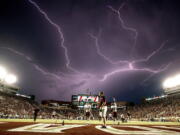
column 168, row 83
column 6, row 77
column 10, row 79
column 172, row 82
column 3, row 73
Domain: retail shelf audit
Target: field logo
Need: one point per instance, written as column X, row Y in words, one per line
column 147, row 130
column 46, row 128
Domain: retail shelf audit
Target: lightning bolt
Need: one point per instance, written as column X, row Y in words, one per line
column 61, row 35
column 153, row 74
column 86, row 80
column 147, row 78
column 124, row 26
column 82, row 81
column 152, row 54
column 18, row 53
column 130, row 63
column 132, row 68
column 100, row 53
column 36, row 66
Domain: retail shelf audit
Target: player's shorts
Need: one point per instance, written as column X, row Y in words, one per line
column 122, row 119
column 87, row 114
column 103, row 111
column 115, row 114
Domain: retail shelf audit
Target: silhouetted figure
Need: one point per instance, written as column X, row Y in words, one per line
column 63, row 123
column 36, row 110
column 128, row 116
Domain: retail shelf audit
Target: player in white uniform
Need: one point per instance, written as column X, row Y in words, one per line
column 102, row 108
column 114, row 110
column 87, row 110
column 54, row 114
column 122, row 118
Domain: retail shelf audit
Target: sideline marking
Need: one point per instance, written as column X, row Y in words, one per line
column 46, row 128
column 165, row 127
column 112, row 130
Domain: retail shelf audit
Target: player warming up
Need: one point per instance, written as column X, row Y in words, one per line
column 102, row 108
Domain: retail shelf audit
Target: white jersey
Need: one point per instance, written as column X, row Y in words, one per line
column 87, row 108
column 54, row 113
column 110, row 115
column 122, row 115
column 114, row 107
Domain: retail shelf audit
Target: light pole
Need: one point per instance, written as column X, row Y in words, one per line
column 6, row 78
column 10, row 79
column 3, row 74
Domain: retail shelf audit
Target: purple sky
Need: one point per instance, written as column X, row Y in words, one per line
column 59, row 48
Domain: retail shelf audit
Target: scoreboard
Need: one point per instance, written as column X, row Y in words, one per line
column 80, row 100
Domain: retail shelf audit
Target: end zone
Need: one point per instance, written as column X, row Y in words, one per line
column 46, row 128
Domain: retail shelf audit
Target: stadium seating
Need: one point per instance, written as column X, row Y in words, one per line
column 166, row 109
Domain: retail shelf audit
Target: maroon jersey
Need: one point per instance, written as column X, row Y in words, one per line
column 102, row 101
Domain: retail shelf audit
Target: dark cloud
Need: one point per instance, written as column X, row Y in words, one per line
column 29, row 34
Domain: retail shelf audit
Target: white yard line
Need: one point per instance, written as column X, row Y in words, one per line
column 46, row 128
column 112, row 130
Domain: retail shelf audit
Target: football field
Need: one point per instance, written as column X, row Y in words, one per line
column 83, row 127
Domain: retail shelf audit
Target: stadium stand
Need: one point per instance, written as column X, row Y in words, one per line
column 164, row 109
column 12, row 106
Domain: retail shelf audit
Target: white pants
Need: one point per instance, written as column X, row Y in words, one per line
column 103, row 112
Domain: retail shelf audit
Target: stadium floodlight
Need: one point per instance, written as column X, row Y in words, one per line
column 166, row 83
column 172, row 82
column 10, row 79
column 169, row 83
column 3, row 73
column 177, row 80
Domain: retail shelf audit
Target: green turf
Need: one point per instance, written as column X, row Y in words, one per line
column 90, row 122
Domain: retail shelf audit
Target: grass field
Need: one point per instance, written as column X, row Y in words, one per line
column 90, row 122
column 84, row 127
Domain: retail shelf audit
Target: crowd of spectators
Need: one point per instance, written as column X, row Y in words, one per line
column 12, row 106
column 164, row 109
